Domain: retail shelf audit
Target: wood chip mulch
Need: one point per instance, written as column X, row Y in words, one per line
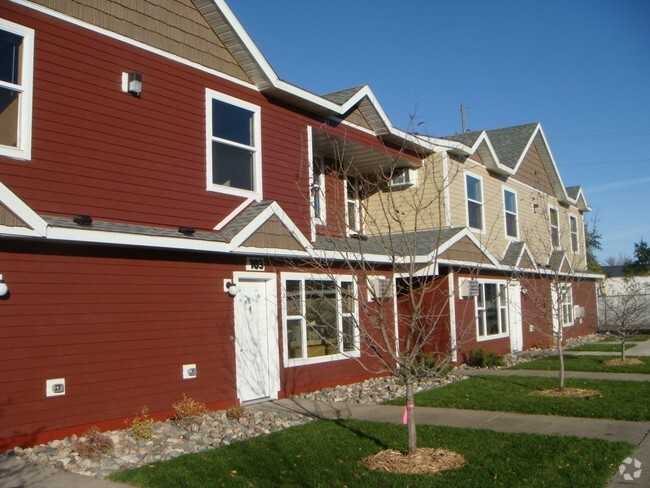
column 568, row 393
column 424, row 461
column 622, row 362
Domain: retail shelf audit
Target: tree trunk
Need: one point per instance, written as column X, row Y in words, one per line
column 410, row 418
column 623, row 349
column 560, row 353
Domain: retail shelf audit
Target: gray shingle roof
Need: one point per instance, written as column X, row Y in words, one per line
column 342, row 96
column 573, row 191
column 468, row 138
column 555, row 260
column 511, row 257
column 509, row 143
column 240, row 222
column 407, row 244
column 145, row 230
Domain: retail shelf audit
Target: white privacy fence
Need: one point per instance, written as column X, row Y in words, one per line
column 634, row 310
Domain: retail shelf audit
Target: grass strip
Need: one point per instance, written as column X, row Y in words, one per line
column 324, row 454
column 586, row 363
column 599, row 347
column 620, row 400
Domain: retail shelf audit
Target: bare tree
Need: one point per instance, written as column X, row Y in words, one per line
column 624, row 308
column 394, row 315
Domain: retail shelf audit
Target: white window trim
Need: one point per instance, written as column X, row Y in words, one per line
column 503, row 303
column 256, row 193
column 24, row 149
column 302, row 277
column 482, row 202
column 550, row 227
column 411, row 180
column 506, row 212
column 573, row 218
column 357, row 203
column 321, row 218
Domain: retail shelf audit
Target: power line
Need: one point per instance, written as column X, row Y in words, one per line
column 603, row 136
column 618, row 161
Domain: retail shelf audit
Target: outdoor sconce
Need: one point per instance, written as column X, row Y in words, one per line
column 4, row 289
column 132, row 83
column 232, row 288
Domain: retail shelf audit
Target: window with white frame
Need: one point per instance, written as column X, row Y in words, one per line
column 474, row 189
column 402, row 178
column 318, row 189
column 566, row 304
column 491, row 310
column 234, row 156
column 352, row 210
column 573, row 224
column 510, row 209
column 554, row 223
column 321, row 318
column 16, row 71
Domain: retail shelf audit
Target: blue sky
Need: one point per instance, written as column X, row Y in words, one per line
column 580, row 67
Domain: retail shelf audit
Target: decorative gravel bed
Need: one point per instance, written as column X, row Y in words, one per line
column 215, row 429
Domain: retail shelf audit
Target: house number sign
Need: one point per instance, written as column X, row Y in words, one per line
column 255, row 264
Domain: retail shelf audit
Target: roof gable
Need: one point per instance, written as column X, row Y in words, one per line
column 16, row 218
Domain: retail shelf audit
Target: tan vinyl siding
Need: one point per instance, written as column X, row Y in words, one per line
column 532, row 171
column 10, row 219
column 174, row 26
column 273, row 235
column 356, row 117
column 464, row 250
column 421, row 206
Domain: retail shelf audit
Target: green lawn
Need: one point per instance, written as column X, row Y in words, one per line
column 329, row 454
column 600, row 347
column 585, row 363
column 631, row 338
column 622, row 400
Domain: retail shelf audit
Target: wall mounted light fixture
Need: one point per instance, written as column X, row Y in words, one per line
column 232, row 288
column 132, row 83
column 4, row 289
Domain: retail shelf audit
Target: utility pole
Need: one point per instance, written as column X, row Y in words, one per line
column 462, row 117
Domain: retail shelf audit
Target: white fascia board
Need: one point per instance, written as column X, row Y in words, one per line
column 272, row 209
column 273, row 253
column 233, row 214
column 10, row 200
column 138, row 240
column 345, row 256
column 463, row 233
column 440, row 145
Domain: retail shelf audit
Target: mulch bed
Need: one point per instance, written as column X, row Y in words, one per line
column 424, row 461
column 568, row 393
column 622, row 362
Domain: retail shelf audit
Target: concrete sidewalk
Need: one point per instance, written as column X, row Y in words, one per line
column 636, row 433
column 554, row 374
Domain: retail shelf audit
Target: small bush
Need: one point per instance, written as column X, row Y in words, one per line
column 141, row 426
column 477, row 358
column 93, row 444
column 188, row 413
column 427, row 365
column 495, row 360
column 236, row 412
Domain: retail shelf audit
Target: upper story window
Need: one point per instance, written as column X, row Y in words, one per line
column 491, row 309
column 554, row 223
column 234, row 155
column 318, row 190
column 352, row 210
column 573, row 224
column 510, row 208
column 320, row 317
column 16, row 69
column 474, row 190
column 403, row 178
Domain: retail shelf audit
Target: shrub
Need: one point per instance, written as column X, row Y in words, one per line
column 494, row 360
column 236, row 412
column 429, row 364
column 188, row 413
column 93, row 444
column 477, row 358
column 141, row 426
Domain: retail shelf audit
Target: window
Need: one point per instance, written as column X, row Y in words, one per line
column 555, row 227
column 402, row 178
column 491, row 308
column 510, row 207
column 318, row 190
column 474, row 188
column 573, row 224
column 234, row 159
column 566, row 303
column 16, row 67
column 352, row 211
column 321, row 318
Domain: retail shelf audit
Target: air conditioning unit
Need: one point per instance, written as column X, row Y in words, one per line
column 379, row 289
column 578, row 312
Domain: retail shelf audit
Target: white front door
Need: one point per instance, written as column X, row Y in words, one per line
column 256, row 339
column 515, row 322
